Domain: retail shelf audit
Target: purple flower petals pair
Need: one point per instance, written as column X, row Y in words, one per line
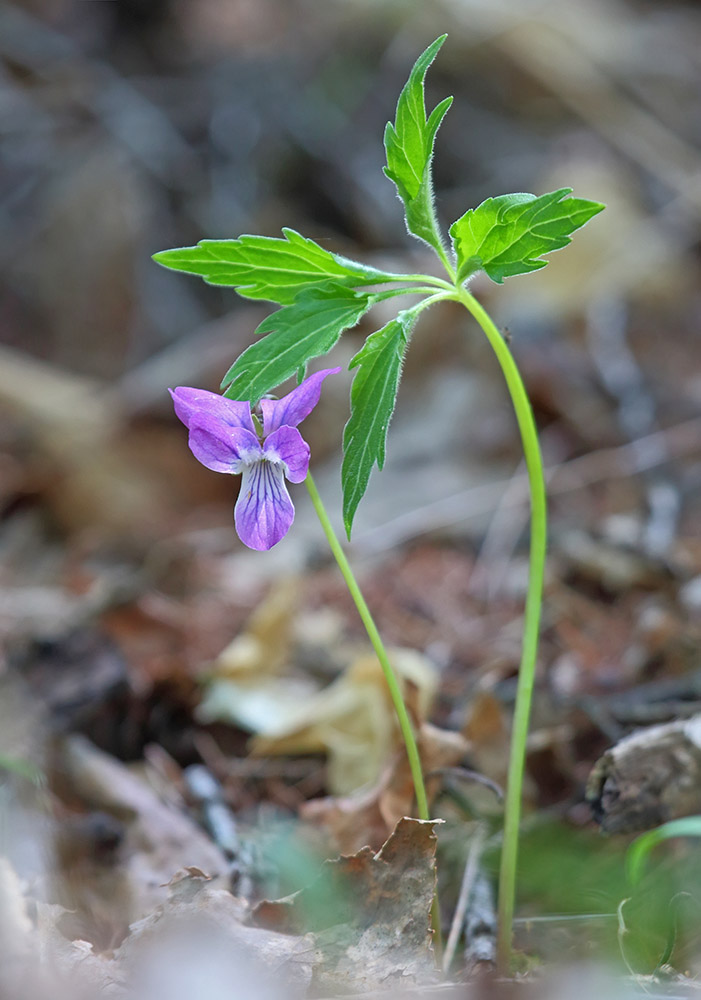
column 223, row 438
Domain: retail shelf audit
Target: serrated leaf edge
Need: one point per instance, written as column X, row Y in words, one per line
column 405, row 321
column 471, row 265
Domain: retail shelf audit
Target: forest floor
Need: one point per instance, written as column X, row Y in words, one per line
column 201, row 778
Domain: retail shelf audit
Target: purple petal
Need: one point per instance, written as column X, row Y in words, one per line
column 287, row 445
column 264, row 511
column 222, row 448
column 231, row 412
column 296, row 405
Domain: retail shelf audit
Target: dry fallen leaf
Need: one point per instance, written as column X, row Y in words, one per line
column 367, row 815
column 90, row 470
column 38, row 961
column 353, row 720
column 369, row 912
column 264, row 645
column 196, row 943
column 255, row 687
column 199, row 936
column 248, row 686
column 159, row 839
column 487, row 730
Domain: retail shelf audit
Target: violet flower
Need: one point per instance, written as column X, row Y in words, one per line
column 224, row 438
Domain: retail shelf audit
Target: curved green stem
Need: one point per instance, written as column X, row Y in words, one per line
column 534, row 597
column 412, row 750
column 377, row 644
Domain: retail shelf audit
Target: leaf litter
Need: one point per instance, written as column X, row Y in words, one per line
column 95, row 487
column 369, row 913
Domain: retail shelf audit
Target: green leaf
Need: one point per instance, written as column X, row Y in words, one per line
column 295, row 333
column 409, row 146
column 688, row 826
column 506, row 235
column 265, row 267
column 373, row 395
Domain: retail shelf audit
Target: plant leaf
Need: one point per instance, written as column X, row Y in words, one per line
column 265, row 267
column 688, row 826
column 506, row 235
column 409, row 147
column 373, row 396
column 307, row 328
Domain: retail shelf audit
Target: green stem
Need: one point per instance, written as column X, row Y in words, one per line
column 430, row 279
column 445, row 260
column 412, row 751
column 431, row 290
column 374, row 636
column 531, row 628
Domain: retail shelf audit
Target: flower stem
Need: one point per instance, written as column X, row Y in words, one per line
column 395, row 691
column 531, row 628
column 377, row 644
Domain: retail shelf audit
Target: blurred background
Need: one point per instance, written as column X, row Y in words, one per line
column 130, row 613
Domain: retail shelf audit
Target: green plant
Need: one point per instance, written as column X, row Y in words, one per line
column 636, row 858
column 321, row 294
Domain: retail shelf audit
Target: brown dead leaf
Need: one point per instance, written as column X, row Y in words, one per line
column 264, row 645
column 252, row 685
column 368, row 815
column 487, row 730
column 351, row 820
column 91, row 475
column 196, row 943
column 158, row 840
column 370, row 913
column 38, row 961
column 199, row 933
column 438, row 748
column 353, row 720
column 189, row 876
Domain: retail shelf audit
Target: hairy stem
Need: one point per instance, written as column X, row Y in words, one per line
column 429, row 279
column 395, row 691
column 534, row 597
column 434, row 291
column 445, row 260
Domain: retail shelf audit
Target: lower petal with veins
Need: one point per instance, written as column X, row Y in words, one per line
column 264, row 511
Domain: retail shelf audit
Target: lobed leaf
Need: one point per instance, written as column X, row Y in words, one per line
column 373, row 397
column 507, row 235
column 409, row 146
column 266, row 267
column 306, row 329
